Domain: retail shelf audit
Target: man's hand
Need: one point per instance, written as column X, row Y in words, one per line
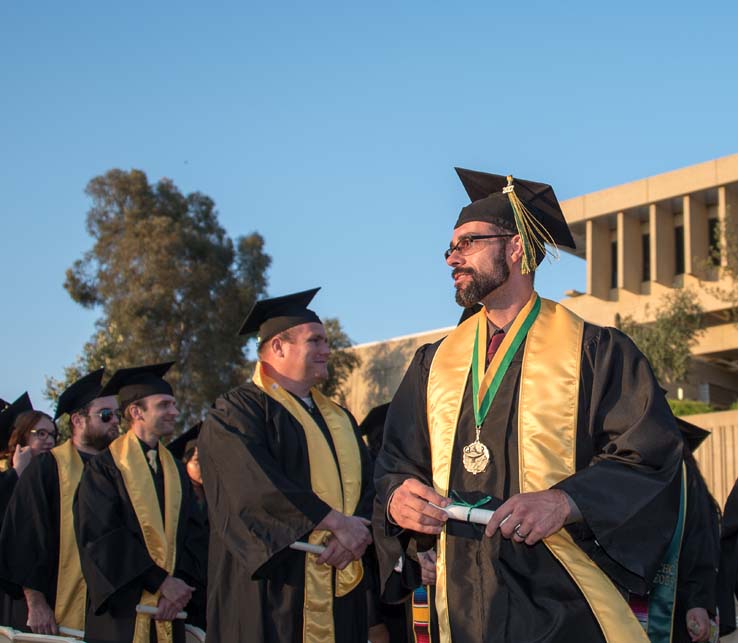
column 335, row 554
column 529, row 517
column 166, row 610
column 177, row 592
column 409, row 507
column 427, row 560
column 41, row 618
column 698, row 624
column 21, row 458
column 352, row 532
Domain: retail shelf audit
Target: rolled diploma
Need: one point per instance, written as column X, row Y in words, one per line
column 298, row 545
column 70, row 631
column 151, row 611
column 460, row 512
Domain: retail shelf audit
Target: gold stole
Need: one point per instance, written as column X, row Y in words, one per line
column 339, row 487
column 71, row 589
column 160, row 536
column 547, row 428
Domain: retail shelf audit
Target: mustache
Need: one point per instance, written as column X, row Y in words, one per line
column 462, row 271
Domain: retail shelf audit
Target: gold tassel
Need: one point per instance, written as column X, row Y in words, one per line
column 532, row 232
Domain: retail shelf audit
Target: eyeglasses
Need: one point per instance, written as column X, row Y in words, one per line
column 107, row 415
column 42, row 434
column 465, row 245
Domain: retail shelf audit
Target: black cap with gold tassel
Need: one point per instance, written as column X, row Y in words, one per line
column 526, row 207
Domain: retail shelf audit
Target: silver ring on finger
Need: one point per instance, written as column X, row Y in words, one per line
column 517, row 532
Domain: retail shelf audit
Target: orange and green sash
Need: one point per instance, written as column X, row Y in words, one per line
column 160, row 536
column 71, row 590
column 547, row 422
column 338, row 486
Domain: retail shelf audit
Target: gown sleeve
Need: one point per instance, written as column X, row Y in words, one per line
column 254, row 506
column 628, row 491
column 27, row 544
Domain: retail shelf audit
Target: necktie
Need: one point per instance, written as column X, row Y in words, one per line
column 151, row 456
column 494, row 344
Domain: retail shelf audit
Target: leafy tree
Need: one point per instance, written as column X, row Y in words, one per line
column 170, row 285
column 667, row 342
column 341, row 361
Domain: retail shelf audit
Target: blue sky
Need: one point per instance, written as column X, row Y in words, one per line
column 333, row 129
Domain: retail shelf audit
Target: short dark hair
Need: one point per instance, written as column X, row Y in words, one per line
column 142, row 404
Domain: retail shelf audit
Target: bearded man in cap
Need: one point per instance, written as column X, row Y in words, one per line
column 282, row 463
column 141, row 536
column 555, row 424
column 38, row 545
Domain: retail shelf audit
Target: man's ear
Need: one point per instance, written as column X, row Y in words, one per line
column 76, row 420
column 516, row 249
column 277, row 346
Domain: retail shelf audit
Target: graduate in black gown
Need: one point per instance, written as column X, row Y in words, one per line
column 696, row 599
column 12, row 610
column 728, row 572
column 557, row 424
column 282, row 463
column 37, row 538
column 140, row 533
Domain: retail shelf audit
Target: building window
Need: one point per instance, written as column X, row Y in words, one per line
column 646, row 257
column 713, row 236
column 679, row 250
column 613, row 264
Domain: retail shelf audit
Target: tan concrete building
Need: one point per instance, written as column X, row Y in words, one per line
column 640, row 241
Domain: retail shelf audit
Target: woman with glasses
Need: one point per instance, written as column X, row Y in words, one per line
column 33, row 429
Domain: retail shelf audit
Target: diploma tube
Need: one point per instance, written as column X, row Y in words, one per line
column 153, row 611
column 298, row 545
column 70, row 631
column 466, row 514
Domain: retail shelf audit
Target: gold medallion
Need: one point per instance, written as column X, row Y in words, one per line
column 476, row 456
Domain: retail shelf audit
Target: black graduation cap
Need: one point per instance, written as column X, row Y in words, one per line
column 269, row 317
column 183, row 443
column 693, row 435
column 133, row 384
column 82, row 392
column 531, row 207
column 8, row 415
column 372, row 426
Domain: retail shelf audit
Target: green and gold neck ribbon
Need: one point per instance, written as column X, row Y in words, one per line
column 486, row 383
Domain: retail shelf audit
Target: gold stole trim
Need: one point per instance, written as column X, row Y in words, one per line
column 160, row 536
column 339, row 487
column 71, row 589
column 547, row 422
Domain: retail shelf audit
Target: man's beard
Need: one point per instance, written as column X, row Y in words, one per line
column 100, row 441
column 480, row 285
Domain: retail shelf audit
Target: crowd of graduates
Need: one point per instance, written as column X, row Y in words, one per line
column 30, row 503
column 280, row 519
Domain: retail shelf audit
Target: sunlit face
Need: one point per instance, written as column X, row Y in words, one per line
column 42, row 436
column 193, row 468
column 484, row 269
column 158, row 414
column 305, row 356
column 96, row 431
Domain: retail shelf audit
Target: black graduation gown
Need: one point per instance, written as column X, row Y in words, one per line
column 699, row 555
column 256, row 474
column 29, row 540
column 728, row 573
column 115, row 562
column 13, row 610
column 626, row 487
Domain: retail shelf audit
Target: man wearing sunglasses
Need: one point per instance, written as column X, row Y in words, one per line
column 556, row 425
column 37, row 539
